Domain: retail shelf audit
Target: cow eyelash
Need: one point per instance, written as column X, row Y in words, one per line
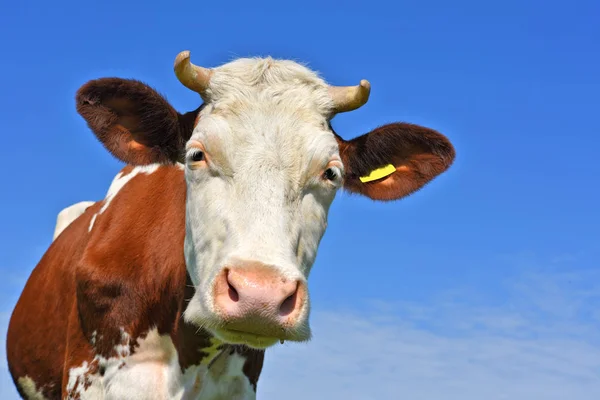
column 196, row 155
column 330, row 174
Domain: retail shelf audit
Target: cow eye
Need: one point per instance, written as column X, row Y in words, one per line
column 330, row 174
column 197, row 156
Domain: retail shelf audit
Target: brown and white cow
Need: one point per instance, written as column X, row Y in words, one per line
column 198, row 258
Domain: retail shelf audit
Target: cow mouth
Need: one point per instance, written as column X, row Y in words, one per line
column 252, row 340
column 259, row 341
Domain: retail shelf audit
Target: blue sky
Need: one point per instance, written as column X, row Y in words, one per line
column 486, row 282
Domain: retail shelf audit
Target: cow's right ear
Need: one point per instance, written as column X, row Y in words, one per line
column 133, row 121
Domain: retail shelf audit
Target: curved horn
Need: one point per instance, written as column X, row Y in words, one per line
column 348, row 98
column 192, row 76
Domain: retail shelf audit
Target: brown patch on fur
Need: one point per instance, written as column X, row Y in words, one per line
column 419, row 155
column 133, row 121
column 128, row 273
column 254, row 363
column 128, row 277
column 189, row 340
column 39, row 337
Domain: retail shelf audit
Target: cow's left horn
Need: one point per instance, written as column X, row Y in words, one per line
column 348, row 98
column 192, row 76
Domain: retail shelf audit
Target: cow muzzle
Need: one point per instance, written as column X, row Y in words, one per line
column 256, row 301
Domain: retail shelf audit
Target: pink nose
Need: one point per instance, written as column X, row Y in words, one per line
column 257, row 298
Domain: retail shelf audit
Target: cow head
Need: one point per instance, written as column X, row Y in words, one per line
column 262, row 166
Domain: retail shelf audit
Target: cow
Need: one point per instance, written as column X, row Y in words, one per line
column 196, row 262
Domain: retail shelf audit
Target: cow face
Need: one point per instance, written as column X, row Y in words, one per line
column 262, row 166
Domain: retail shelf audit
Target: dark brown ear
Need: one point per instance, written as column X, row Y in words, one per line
column 133, row 121
column 394, row 160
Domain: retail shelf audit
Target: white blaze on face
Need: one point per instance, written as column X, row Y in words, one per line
column 261, row 196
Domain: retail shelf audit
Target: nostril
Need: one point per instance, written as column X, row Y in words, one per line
column 289, row 304
column 233, row 294
column 231, row 290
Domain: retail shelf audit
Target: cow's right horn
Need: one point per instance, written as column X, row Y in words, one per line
column 192, row 76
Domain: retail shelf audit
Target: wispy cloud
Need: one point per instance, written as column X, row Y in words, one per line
column 538, row 339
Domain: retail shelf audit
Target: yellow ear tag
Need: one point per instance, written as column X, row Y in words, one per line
column 378, row 173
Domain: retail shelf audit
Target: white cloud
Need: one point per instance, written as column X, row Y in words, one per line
column 537, row 338
column 540, row 342
column 354, row 357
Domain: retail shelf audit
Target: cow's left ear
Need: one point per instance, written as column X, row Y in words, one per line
column 394, row 160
